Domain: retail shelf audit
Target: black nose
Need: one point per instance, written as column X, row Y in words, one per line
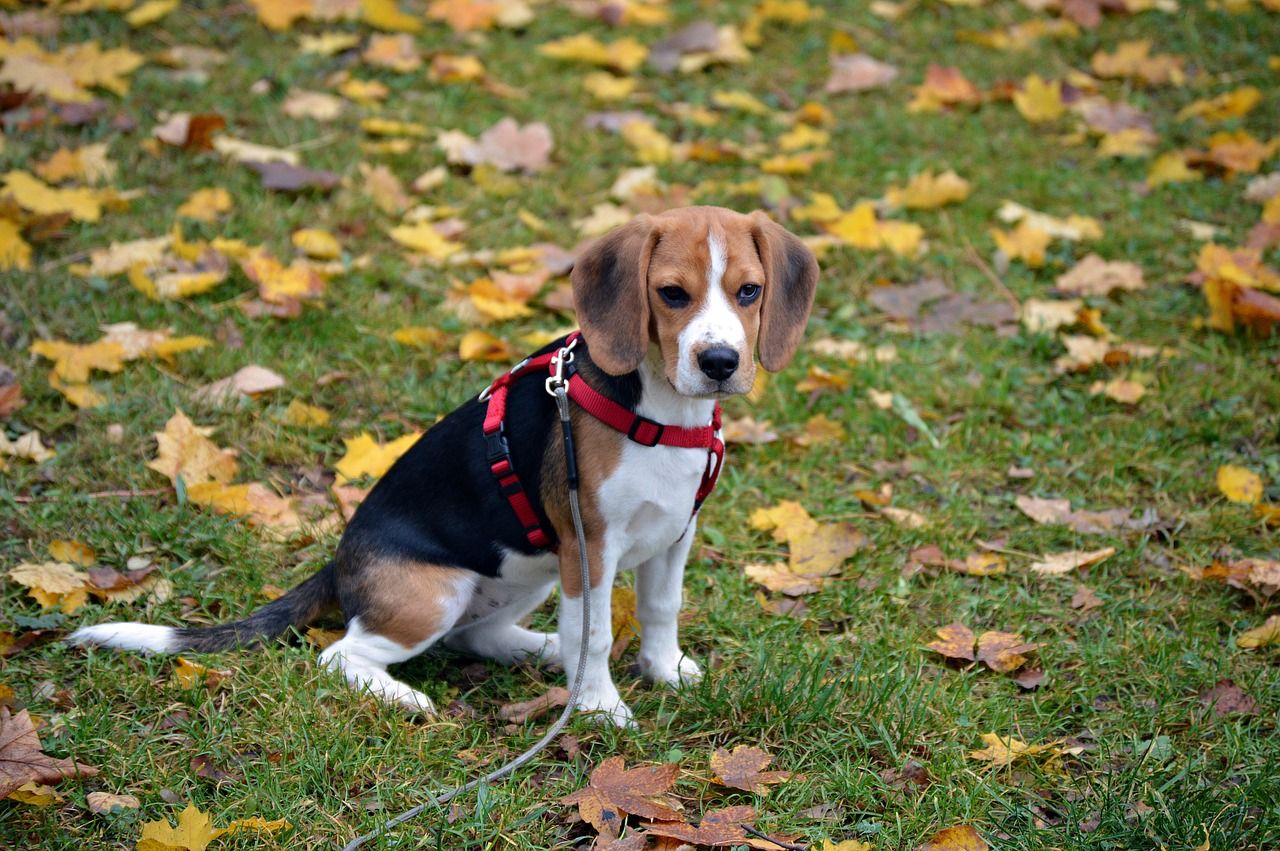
column 718, row 363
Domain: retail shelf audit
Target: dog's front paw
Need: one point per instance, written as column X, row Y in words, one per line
column 675, row 673
column 606, row 708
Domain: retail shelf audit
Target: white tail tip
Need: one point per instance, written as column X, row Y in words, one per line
column 126, row 636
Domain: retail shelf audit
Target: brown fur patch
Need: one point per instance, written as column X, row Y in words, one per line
column 407, row 601
column 598, row 451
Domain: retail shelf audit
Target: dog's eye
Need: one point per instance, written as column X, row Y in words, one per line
column 674, row 296
column 748, row 293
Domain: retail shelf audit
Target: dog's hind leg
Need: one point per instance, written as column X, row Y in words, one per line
column 490, row 627
column 410, row 607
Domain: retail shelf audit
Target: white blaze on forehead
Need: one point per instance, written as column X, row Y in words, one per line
column 714, row 324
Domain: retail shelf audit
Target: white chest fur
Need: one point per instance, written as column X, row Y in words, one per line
column 647, row 502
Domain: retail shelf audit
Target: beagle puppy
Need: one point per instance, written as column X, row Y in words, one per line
column 469, row 530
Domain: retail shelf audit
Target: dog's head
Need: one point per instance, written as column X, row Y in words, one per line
column 705, row 287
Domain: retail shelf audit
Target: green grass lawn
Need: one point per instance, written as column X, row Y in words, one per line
column 844, row 693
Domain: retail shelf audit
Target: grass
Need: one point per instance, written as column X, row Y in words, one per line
column 840, row 695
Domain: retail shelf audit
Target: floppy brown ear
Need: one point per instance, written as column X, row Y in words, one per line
column 609, row 294
column 791, row 276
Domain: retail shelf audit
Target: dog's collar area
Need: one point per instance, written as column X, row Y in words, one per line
column 559, row 364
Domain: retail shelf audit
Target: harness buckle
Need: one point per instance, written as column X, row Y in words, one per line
column 495, row 445
column 652, row 434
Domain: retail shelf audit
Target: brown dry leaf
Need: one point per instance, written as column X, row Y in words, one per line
column 1126, row 391
column 248, row 381
column 955, row 641
column 1065, row 562
column 509, row 147
column 744, row 769
column 960, row 837
column 1227, row 698
column 21, row 759
column 188, row 674
column 284, row 177
column 779, row 577
column 104, row 803
column 858, row 72
column 613, row 792
column 746, row 429
column 1095, row 276
column 1085, row 599
column 1002, row 651
column 322, row 638
column 519, row 713
column 818, row 430
column 1085, row 522
column 717, row 829
column 943, row 86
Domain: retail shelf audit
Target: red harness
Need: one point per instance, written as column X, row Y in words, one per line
column 639, row 429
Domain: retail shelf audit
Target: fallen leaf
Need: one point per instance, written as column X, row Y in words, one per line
column 717, row 828
column 1002, row 651
column 1002, row 752
column 1239, row 484
column 1227, row 698
column 1086, row 522
column 613, row 792
column 858, row 72
column 1039, row 100
column 205, row 205
column 955, row 641
column 53, row 583
column 744, row 769
column 925, row 191
column 194, row 832
column 1097, row 277
column 105, row 803
column 248, row 381
column 961, row 837
column 1260, row 636
column 366, row 457
column 185, row 450
column 74, row 552
column 22, row 760
column 284, row 177
column 520, row 713
column 1065, row 562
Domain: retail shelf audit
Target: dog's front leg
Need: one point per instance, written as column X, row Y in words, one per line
column 599, row 694
column 659, row 590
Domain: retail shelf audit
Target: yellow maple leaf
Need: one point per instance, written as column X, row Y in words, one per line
column 822, row 207
column 924, row 191
column 857, row 227
column 299, row 413
column 1239, row 484
column 78, row 393
column 1130, row 142
column 625, row 54
column 1260, row 636
column 740, row 100
column 1171, row 167
column 15, row 252
column 1039, row 100
column 364, row 456
column 386, row 15
column 846, row 845
column 206, row 205
column 186, row 450
column 149, row 12
column 53, row 583
column 396, row 51
column 30, row 193
column 419, row 336
column 604, row 86
column 254, row 501
column 279, row 15
column 316, row 243
column 279, row 284
column 423, row 238
column 194, row 832
column 1232, row 104
column 363, row 91
column 650, row 144
column 72, row 552
column 73, row 362
column 88, row 163
column 1002, row 752
column 801, row 163
column 495, row 303
column 1026, row 242
column 327, row 43
column 902, row 238
column 94, row 67
column 482, row 346
column 804, row 136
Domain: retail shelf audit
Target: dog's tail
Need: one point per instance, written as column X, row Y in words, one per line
column 301, row 605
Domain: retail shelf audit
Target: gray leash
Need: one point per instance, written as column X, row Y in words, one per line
column 556, row 386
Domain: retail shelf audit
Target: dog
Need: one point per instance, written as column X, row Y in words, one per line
column 468, row 531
